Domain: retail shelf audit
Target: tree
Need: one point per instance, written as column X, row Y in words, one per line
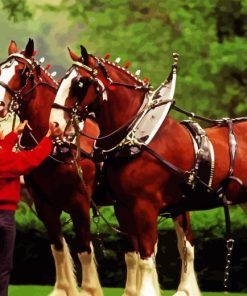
column 210, row 37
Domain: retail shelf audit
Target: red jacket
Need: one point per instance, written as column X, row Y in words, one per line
column 15, row 164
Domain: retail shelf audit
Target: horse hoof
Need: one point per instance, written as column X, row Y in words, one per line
column 129, row 293
column 180, row 293
column 58, row 292
column 86, row 293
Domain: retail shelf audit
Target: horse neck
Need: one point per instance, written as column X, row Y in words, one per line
column 122, row 102
column 37, row 109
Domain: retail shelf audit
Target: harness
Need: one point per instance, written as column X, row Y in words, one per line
column 194, row 182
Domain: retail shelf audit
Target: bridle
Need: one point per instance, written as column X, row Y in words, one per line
column 18, row 96
column 76, row 114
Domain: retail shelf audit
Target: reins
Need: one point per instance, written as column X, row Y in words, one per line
column 96, row 211
column 126, row 124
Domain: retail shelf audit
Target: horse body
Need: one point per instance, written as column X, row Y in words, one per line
column 141, row 185
column 55, row 186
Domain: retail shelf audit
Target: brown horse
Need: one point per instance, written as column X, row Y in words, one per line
column 29, row 90
column 141, row 185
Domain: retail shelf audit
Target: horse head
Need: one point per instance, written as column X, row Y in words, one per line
column 75, row 93
column 20, row 75
column 90, row 83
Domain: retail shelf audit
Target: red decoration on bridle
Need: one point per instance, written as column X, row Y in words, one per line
column 107, row 56
column 106, row 83
column 48, row 66
column 146, row 80
column 127, row 65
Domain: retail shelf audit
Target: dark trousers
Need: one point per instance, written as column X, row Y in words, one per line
column 7, row 242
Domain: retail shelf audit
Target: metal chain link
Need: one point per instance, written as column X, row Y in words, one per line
column 185, row 254
column 229, row 247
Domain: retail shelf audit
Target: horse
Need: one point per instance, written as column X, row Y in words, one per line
column 116, row 98
column 28, row 90
column 25, row 97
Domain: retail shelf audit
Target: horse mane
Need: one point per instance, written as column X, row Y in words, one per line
column 122, row 70
column 45, row 74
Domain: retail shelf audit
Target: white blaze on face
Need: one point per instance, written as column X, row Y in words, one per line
column 58, row 115
column 7, row 72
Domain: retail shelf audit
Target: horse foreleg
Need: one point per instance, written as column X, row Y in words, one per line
column 65, row 277
column 146, row 229
column 188, row 283
column 132, row 261
column 90, row 283
column 131, row 256
column 65, row 284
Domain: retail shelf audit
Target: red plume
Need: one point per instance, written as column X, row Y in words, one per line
column 107, row 56
column 127, row 65
column 35, row 52
column 48, row 66
column 146, row 80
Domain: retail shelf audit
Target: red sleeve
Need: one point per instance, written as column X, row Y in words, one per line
column 15, row 164
column 9, row 141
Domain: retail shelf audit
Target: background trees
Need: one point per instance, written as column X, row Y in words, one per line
column 210, row 37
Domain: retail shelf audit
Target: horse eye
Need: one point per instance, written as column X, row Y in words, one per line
column 80, row 84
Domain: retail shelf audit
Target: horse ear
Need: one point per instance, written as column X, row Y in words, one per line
column 73, row 55
column 29, row 50
column 84, row 55
column 12, row 47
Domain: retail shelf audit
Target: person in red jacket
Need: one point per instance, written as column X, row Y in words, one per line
column 12, row 166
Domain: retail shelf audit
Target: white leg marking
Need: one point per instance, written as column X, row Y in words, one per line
column 90, row 279
column 65, row 278
column 188, row 283
column 149, row 285
column 131, row 260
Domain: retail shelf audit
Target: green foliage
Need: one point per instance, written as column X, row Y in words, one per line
column 210, row 37
column 212, row 221
column 17, row 10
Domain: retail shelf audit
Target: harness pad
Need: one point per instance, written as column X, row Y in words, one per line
column 204, row 154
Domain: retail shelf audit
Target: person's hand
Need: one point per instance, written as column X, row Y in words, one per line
column 20, row 127
column 54, row 131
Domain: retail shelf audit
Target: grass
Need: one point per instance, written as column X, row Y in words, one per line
column 45, row 290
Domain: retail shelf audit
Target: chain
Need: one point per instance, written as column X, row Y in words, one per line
column 99, row 242
column 229, row 247
column 185, row 254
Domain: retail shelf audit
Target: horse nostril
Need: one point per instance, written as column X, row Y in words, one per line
column 56, row 124
column 2, row 105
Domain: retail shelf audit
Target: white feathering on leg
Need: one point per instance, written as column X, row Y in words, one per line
column 65, row 278
column 90, row 279
column 131, row 260
column 188, row 283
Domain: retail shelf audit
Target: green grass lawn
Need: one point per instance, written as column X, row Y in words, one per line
column 44, row 291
